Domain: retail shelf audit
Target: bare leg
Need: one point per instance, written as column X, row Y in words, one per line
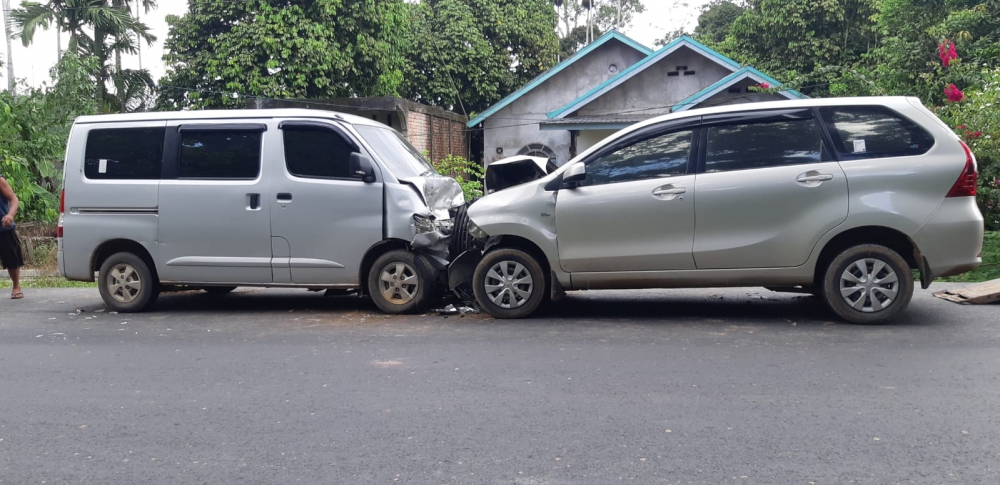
column 15, row 278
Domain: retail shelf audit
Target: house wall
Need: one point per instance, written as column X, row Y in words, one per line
column 517, row 125
column 436, row 136
column 590, row 138
column 744, row 96
column 653, row 92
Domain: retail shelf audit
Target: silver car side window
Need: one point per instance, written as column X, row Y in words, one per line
column 745, row 146
column 660, row 156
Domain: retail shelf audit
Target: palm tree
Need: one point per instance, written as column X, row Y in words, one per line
column 98, row 28
column 10, row 60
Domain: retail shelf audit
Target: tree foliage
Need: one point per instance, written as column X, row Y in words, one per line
column 102, row 29
column 33, row 131
column 715, row 20
column 467, row 54
column 283, row 49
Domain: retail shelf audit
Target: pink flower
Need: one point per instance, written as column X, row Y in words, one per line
column 947, row 52
column 764, row 86
column 953, row 93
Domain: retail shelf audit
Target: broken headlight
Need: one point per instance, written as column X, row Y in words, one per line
column 425, row 224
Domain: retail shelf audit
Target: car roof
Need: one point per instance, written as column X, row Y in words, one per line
column 232, row 114
column 783, row 104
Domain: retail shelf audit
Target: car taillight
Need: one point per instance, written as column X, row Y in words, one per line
column 965, row 186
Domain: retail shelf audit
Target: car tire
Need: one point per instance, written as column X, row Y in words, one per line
column 219, row 290
column 509, row 283
column 127, row 284
column 388, row 290
column 868, row 284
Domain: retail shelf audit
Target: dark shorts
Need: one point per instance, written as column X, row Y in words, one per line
column 10, row 250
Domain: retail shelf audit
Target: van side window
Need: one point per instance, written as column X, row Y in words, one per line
column 124, row 154
column 316, row 153
column 763, row 144
column 657, row 157
column 220, row 154
column 874, row 132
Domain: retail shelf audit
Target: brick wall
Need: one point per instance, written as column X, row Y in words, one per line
column 436, row 136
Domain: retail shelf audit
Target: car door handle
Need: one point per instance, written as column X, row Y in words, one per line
column 284, row 198
column 665, row 191
column 819, row 177
column 253, row 202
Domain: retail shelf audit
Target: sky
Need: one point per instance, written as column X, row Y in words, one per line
column 32, row 63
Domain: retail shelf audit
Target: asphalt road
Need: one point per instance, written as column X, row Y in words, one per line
column 277, row 387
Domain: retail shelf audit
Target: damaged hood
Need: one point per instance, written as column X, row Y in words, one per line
column 439, row 193
column 513, row 171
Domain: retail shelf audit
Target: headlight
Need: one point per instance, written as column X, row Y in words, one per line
column 425, row 224
column 477, row 233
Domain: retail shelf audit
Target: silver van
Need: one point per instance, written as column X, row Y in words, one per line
column 268, row 198
column 843, row 198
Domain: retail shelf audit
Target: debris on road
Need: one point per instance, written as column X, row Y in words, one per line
column 981, row 294
column 451, row 309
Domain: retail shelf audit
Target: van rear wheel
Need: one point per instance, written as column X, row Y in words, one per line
column 401, row 281
column 127, row 284
column 868, row 284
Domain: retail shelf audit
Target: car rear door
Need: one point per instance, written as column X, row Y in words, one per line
column 768, row 190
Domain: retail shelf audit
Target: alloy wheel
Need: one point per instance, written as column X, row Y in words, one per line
column 124, row 283
column 398, row 283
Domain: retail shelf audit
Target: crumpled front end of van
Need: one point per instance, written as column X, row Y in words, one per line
column 434, row 223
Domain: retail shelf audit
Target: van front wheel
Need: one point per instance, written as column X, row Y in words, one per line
column 127, row 284
column 401, row 282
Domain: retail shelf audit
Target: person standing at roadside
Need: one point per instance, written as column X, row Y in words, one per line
column 10, row 245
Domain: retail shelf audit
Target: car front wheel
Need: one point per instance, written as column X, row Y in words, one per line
column 868, row 284
column 509, row 283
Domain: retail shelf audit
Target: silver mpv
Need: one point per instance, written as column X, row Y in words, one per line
column 843, row 198
column 269, row 198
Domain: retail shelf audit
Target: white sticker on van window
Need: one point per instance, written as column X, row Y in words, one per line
column 102, row 166
column 859, row 146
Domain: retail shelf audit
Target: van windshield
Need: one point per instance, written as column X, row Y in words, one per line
column 395, row 151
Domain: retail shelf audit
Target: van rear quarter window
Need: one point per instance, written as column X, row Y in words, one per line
column 861, row 132
column 124, row 154
column 220, row 155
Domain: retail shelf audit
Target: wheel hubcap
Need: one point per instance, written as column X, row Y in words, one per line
column 869, row 285
column 124, row 283
column 398, row 283
column 508, row 284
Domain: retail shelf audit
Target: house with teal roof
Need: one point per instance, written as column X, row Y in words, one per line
column 609, row 85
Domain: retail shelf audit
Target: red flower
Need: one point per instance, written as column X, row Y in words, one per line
column 764, row 86
column 976, row 134
column 947, row 52
column 953, row 93
column 962, row 126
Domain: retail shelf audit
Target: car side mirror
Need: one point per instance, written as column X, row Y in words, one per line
column 575, row 175
column 362, row 167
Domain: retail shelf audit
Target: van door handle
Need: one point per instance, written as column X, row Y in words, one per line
column 814, row 177
column 253, row 202
column 284, row 198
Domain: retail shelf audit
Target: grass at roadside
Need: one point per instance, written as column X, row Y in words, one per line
column 990, row 270
column 48, row 282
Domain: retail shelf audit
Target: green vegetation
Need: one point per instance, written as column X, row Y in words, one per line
column 469, row 174
column 50, row 282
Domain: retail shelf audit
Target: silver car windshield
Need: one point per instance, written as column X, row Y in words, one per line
column 395, row 151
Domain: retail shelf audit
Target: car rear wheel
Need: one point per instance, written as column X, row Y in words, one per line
column 127, row 284
column 402, row 282
column 509, row 283
column 868, row 284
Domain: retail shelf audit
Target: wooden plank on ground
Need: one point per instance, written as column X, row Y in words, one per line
column 979, row 294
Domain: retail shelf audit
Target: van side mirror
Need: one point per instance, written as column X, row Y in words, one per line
column 575, row 175
column 362, row 167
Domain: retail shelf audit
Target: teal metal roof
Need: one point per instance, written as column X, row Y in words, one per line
column 653, row 58
column 743, row 73
column 545, row 76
